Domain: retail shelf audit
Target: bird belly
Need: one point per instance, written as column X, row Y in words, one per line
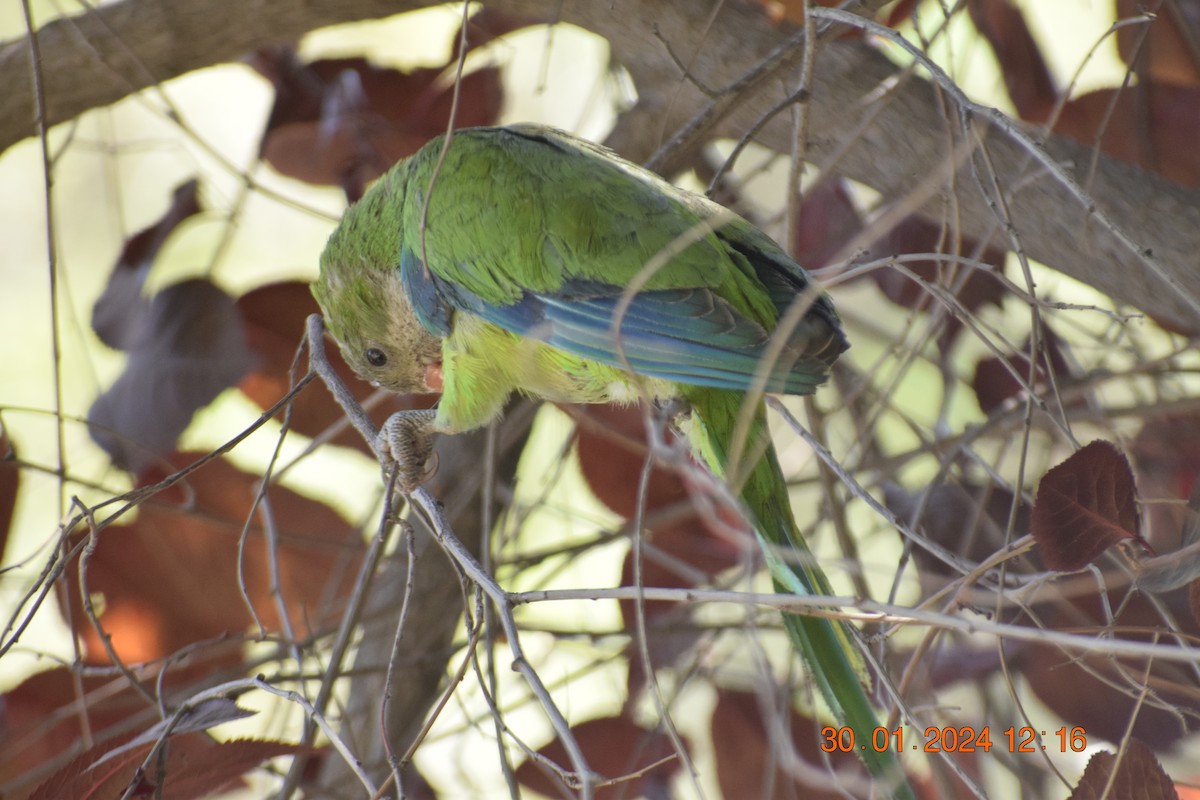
column 483, row 364
column 558, row 376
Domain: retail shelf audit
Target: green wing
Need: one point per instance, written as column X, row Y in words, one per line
column 543, row 235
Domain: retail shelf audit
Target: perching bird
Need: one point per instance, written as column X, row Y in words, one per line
column 523, row 259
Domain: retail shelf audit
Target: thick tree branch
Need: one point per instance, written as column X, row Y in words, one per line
column 1132, row 234
column 97, row 58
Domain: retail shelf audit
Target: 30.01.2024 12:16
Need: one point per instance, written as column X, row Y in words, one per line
column 949, row 739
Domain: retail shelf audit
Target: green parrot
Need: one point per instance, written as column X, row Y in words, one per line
column 522, row 259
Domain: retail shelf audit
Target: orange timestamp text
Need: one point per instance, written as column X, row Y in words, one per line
column 949, row 739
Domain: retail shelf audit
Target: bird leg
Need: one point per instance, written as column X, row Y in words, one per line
column 405, row 441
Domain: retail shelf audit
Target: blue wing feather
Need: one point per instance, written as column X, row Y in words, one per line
column 425, row 293
column 670, row 334
column 684, row 335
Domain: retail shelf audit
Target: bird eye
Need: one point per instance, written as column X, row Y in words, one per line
column 375, row 357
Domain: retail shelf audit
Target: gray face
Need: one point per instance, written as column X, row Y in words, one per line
column 369, row 315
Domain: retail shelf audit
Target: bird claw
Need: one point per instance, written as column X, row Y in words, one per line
column 669, row 409
column 406, row 441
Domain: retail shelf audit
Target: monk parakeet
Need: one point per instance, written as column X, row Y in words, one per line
column 523, row 259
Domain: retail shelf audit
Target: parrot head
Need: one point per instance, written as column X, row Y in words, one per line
column 365, row 306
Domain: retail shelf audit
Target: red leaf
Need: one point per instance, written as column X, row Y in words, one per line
column 966, row 520
column 748, row 758
column 994, row 382
column 1166, row 452
column 345, row 121
column 1095, row 691
column 1025, row 72
column 681, row 554
column 37, row 723
column 612, row 450
column 972, row 287
column 681, row 547
column 372, row 117
column 10, row 484
column 41, row 724
column 119, row 316
column 274, row 317
column 792, row 11
column 171, row 577
column 1085, row 505
column 1152, row 125
column 825, row 222
column 1138, row 776
column 195, row 767
column 1159, row 48
column 611, row 444
column 615, row 748
column 189, row 350
column 900, row 12
column 488, row 25
column 1194, row 600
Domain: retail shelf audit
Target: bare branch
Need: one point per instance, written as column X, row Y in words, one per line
column 1135, row 241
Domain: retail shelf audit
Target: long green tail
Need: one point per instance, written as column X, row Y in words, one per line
column 827, row 645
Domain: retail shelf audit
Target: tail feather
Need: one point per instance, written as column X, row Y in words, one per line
column 827, row 645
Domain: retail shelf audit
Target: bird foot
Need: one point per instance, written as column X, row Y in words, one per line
column 404, row 443
column 662, row 434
